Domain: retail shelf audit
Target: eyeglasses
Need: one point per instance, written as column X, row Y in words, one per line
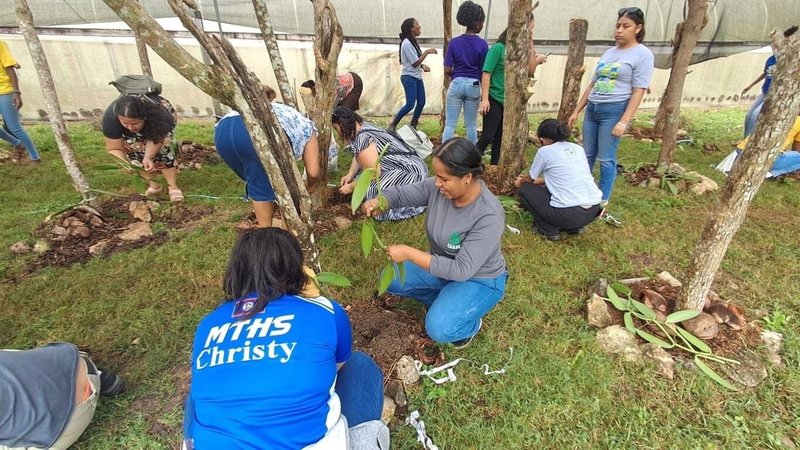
column 631, row 11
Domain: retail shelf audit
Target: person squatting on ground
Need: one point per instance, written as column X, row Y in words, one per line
column 559, row 190
column 48, row 396
column 788, row 160
column 400, row 165
column 140, row 130
column 236, row 148
column 10, row 104
column 493, row 92
column 463, row 275
column 411, row 58
column 769, row 67
column 348, row 90
column 618, row 85
column 463, row 61
column 273, row 369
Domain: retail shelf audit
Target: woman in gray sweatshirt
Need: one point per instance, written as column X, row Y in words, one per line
column 463, row 275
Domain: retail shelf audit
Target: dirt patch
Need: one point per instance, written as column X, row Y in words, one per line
column 640, row 133
column 494, row 180
column 338, row 205
column 192, row 155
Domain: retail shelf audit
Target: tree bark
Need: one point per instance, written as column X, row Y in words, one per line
column 229, row 80
column 515, row 115
column 25, row 19
column 574, row 70
column 328, row 39
column 686, row 37
column 268, row 34
column 661, row 112
column 781, row 107
column 447, row 16
column 144, row 60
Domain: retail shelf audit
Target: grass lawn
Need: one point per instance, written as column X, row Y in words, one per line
column 137, row 311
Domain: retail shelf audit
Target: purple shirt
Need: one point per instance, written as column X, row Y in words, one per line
column 465, row 54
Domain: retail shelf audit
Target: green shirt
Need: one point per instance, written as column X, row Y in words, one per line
column 495, row 65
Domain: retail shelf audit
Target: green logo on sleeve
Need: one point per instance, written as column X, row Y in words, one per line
column 455, row 241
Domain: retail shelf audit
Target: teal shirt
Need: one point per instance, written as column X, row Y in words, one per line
column 495, row 66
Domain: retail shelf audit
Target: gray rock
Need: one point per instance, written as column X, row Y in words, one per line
column 597, row 312
column 704, row 326
column 41, row 246
column 600, row 287
column 136, row 231
column 751, row 371
column 342, row 222
column 773, row 342
column 704, row 185
column 99, row 248
column 152, row 205
column 396, row 390
column 20, row 248
column 388, row 410
column 667, row 277
column 654, row 182
column 139, row 211
column 406, row 370
column 59, row 231
column 665, row 364
column 629, row 281
column 616, row 340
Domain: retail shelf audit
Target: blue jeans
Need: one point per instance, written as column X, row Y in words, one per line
column 598, row 142
column 18, row 135
column 751, row 117
column 787, row 162
column 415, row 94
column 464, row 92
column 359, row 385
column 455, row 307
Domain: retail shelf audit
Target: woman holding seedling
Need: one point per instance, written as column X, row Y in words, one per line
column 463, row 275
column 399, row 165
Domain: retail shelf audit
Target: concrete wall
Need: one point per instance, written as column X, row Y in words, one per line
column 83, row 66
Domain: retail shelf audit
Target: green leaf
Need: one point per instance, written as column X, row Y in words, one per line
column 108, row 167
column 140, row 183
column 662, row 169
column 386, row 278
column 672, row 187
column 653, row 339
column 333, row 279
column 644, row 309
column 401, row 272
column 628, row 317
column 360, row 191
column 366, row 237
column 615, row 300
column 383, row 204
column 621, row 289
column 680, row 316
column 713, row 375
column 694, row 341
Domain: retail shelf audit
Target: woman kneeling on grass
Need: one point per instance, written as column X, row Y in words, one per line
column 559, row 190
column 463, row 275
column 274, row 368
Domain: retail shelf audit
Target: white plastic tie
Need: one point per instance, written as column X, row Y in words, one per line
column 512, row 229
column 422, row 436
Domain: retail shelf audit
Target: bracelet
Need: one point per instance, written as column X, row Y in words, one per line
column 623, row 124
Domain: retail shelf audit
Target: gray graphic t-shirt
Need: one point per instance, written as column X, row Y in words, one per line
column 620, row 71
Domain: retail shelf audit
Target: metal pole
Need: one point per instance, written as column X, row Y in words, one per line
column 198, row 18
column 488, row 16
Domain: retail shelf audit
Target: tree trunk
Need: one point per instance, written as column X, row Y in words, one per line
column 515, row 115
column 25, row 19
column 265, row 23
column 661, row 112
column 144, row 60
column 229, row 80
column 328, row 39
column 573, row 71
column 447, row 16
column 781, row 107
column 686, row 39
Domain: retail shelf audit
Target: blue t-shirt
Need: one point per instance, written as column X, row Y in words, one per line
column 621, row 71
column 267, row 382
column 465, row 54
column 769, row 68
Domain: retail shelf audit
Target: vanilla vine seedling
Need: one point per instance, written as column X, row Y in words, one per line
column 138, row 173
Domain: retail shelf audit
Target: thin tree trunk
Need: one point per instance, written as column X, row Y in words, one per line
column 25, row 19
column 574, row 70
column 686, row 36
column 515, row 115
column 447, row 16
column 781, row 107
column 229, row 80
column 661, row 112
column 144, row 60
column 268, row 34
column 328, row 39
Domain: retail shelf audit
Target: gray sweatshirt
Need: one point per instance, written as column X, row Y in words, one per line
column 464, row 241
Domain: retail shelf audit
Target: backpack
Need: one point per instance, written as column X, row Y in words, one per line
column 136, row 85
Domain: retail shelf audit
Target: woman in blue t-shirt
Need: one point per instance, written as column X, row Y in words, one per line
column 614, row 94
column 463, row 61
column 411, row 58
column 273, row 367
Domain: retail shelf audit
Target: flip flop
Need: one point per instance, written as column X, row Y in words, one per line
column 175, row 195
column 153, row 191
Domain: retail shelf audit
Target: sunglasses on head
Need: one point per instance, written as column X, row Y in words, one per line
column 631, row 11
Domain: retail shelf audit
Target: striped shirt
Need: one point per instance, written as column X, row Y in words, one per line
column 400, row 165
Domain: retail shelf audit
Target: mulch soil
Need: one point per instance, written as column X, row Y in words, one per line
column 338, row 205
column 643, row 133
column 728, row 342
column 494, row 181
column 191, row 154
column 642, row 175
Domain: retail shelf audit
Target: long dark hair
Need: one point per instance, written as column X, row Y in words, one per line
column 406, row 33
column 267, row 261
column 553, row 129
column 502, row 38
column 637, row 16
column 347, row 120
column 158, row 122
column 461, row 157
